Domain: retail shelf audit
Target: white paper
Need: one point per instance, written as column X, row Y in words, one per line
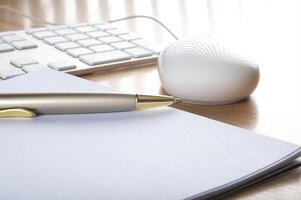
column 156, row 154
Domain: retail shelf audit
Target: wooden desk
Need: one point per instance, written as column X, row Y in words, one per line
column 269, row 31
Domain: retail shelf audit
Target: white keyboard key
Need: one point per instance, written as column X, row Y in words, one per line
column 9, row 72
column 19, row 62
column 54, row 40
column 89, row 42
column 5, row 48
column 117, row 32
column 105, row 57
column 66, row 45
column 79, row 52
column 110, row 39
column 24, row 45
column 65, row 31
column 78, row 25
column 6, row 33
column 102, row 48
column 98, row 24
column 147, row 45
column 30, row 31
column 85, row 29
column 123, row 45
column 52, row 28
column 12, row 38
column 98, row 34
column 43, row 34
column 34, row 67
column 104, row 27
column 138, row 52
column 77, row 36
column 61, row 65
column 130, row 37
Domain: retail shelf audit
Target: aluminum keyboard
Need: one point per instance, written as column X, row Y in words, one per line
column 76, row 49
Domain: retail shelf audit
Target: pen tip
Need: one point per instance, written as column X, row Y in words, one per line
column 177, row 100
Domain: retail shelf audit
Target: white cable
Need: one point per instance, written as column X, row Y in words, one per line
column 147, row 17
column 110, row 21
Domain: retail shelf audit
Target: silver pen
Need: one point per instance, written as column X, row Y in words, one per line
column 32, row 104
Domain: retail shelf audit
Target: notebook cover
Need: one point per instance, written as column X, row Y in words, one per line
column 262, row 179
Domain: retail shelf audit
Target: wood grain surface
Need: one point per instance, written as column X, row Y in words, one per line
column 269, row 31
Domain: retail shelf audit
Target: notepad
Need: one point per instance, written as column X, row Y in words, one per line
column 162, row 153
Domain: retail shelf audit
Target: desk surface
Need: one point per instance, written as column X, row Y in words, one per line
column 269, row 31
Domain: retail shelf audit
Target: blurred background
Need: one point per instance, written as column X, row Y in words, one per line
column 252, row 19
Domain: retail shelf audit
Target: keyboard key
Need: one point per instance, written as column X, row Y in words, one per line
column 65, row 31
column 12, row 38
column 104, row 27
column 33, row 30
column 147, row 45
column 102, row 48
column 5, row 48
column 105, row 57
column 130, row 37
column 77, row 36
column 78, row 25
column 117, row 32
column 34, row 67
column 85, row 29
column 6, row 33
column 66, row 45
column 54, row 40
column 89, row 42
column 123, row 45
column 138, row 52
column 52, row 28
column 24, row 45
column 62, row 65
column 98, row 34
column 79, row 51
column 43, row 34
column 19, row 62
column 98, row 24
column 110, row 39
column 9, row 72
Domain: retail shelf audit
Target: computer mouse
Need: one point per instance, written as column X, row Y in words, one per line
column 200, row 70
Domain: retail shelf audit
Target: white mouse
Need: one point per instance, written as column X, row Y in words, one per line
column 202, row 71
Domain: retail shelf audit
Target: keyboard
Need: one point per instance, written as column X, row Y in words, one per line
column 76, row 49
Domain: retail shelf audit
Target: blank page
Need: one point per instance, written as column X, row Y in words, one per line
column 162, row 153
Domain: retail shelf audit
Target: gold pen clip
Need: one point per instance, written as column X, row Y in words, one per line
column 16, row 112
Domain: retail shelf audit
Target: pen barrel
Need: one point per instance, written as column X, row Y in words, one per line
column 69, row 103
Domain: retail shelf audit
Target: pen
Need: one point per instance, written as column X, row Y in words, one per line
column 32, row 104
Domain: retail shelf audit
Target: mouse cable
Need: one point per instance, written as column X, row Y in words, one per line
column 145, row 17
column 18, row 12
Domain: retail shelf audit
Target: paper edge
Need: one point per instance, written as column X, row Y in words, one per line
column 248, row 178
